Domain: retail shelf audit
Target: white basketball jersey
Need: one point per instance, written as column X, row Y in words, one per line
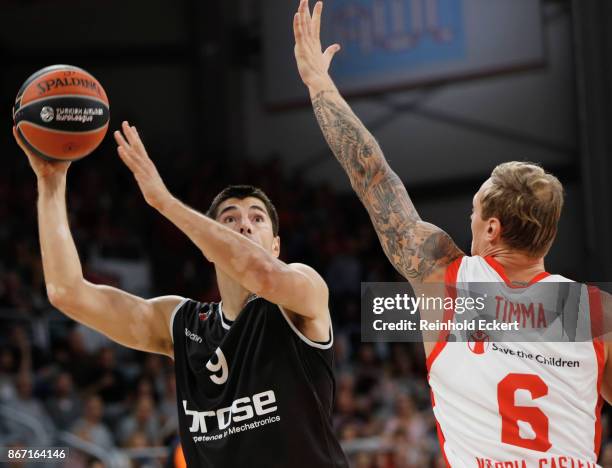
column 517, row 404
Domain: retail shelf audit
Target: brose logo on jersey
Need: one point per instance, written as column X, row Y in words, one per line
column 242, row 409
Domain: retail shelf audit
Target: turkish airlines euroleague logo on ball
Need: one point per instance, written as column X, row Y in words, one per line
column 479, row 342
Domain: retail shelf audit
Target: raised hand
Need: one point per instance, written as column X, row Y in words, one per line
column 133, row 153
column 42, row 168
column 313, row 63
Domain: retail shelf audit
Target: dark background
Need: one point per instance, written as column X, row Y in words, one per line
column 189, row 75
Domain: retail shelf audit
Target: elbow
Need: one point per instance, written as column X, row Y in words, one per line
column 58, row 296
column 61, row 296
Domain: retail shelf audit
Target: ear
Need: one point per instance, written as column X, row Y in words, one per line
column 494, row 230
column 276, row 246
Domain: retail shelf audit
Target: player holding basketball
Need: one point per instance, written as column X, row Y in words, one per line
column 254, row 372
column 510, row 411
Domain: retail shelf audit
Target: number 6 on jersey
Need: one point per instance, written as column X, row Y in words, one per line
column 512, row 414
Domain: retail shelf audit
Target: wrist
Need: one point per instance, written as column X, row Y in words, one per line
column 323, row 83
column 164, row 203
column 51, row 181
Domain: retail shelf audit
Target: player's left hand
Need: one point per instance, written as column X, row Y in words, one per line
column 133, row 153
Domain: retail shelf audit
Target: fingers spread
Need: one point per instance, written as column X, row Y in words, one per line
column 304, row 19
column 296, row 27
column 128, row 157
column 123, row 154
column 132, row 137
column 126, row 153
column 304, row 9
column 330, row 52
column 316, row 20
column 120, row 140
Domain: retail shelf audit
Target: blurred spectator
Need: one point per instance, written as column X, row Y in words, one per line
column 152, row 370
column 64, row 406
column 27, row 405
column 70, row 354
column 168, row 415
column 606, row 455
column 14, row 293
column 139, row 440
column 407, row 421
column 368, row 369
column 7, row 385
column 344, row 272
column 95, row 463
column 90, row 427
column 105, row 379
column 142, row 419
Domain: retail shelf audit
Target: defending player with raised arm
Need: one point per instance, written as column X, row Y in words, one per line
column 418, row 250
column 250, row 370
column 509, row 411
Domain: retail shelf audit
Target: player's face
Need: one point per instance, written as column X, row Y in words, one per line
column 250, row 218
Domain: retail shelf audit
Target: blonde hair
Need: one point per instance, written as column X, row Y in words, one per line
column 528, row 202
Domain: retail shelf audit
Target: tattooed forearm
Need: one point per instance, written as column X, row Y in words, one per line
column 354, row 147
column 415, row 248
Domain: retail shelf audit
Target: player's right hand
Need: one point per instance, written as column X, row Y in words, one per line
column 313, row 63
column 42, row 168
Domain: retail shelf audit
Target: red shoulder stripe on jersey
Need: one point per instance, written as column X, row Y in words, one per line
column 502, row 273
column 450, row 280
column 596, row 313
column 538, row 277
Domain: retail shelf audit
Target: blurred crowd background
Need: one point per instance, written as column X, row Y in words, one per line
column 204, row 83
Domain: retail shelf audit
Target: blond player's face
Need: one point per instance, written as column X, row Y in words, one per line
column 250, row 218
column 479, row 226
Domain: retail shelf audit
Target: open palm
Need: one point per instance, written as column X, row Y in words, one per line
column 313, row 63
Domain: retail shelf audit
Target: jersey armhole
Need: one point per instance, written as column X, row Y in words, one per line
column 314, row 344
column 171, row 323
column 450, row 286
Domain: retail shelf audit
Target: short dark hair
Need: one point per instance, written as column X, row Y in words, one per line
column 241, row 192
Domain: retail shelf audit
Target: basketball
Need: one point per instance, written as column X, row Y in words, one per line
column 61, row 113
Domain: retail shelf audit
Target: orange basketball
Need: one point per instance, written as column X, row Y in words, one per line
column 61, row 113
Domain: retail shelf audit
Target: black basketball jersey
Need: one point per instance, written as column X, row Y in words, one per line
column 254, row 392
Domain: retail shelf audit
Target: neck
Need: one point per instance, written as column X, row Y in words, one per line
column 518, row 266
column 233, row 295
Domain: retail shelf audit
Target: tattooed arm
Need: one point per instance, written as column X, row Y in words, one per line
column 417, row 249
